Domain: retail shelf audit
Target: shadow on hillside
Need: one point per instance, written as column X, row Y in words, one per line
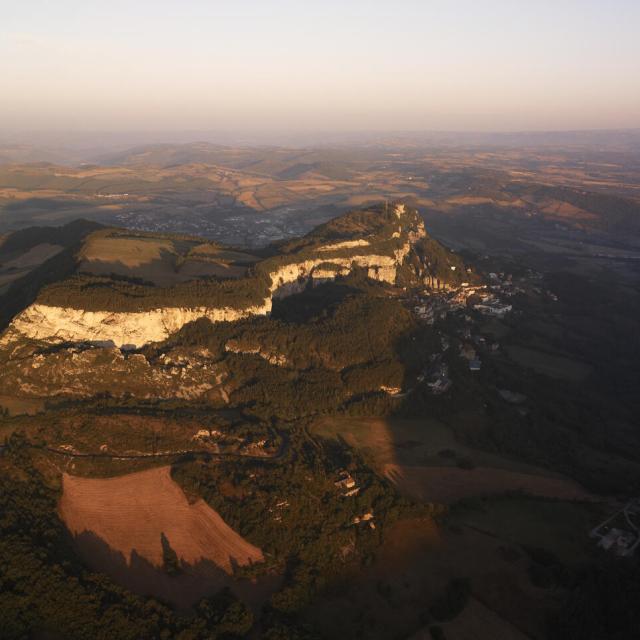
column 186, row 585
column 312, row 302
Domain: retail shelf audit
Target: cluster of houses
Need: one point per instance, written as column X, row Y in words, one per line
column 620, row 534
column 471, row 345
column 485, row 299
column 366, row 517
column 435, row 307
column 490, row 303
column 436, row 375
column 346, row 484
column 348, row 487
column 492, row 307
column 278, row 508
column 205, row 435
column 240, row 229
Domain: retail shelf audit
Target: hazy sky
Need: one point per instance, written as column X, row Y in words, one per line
column 329, row 65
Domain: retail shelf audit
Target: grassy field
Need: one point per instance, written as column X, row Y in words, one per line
column 162, row 260
column 425, row 442
column 551, row 365
column 486, row 541
column 559, row 526
column 392, row 597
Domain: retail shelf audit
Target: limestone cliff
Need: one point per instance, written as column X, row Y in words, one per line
column 318, row 262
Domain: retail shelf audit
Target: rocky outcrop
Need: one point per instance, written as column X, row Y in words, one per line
column 109, row 328
column 84, row 372
column 272, row 357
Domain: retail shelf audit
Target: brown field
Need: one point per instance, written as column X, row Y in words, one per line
column 414, row 443
column 469, row 200
column 481, row 542
column 562, row 210
column 130, row 512
column 450, row 484
column 192, row 269
column 118, row 525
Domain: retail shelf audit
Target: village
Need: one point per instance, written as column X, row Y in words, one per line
column 232, row 225
column 464, row 306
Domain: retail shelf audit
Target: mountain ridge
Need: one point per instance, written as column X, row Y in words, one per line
column 110, row 311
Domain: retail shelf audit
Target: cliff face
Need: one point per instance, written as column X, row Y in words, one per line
column 133, row 329
column 108, row 328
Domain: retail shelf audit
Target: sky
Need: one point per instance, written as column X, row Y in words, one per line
column 350, row 65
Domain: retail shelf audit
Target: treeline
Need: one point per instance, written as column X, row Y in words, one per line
column 102, row 293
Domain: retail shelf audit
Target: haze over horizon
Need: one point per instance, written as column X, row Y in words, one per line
column 285, row 66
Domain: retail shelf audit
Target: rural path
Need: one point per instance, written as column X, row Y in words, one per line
column 165, row 454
